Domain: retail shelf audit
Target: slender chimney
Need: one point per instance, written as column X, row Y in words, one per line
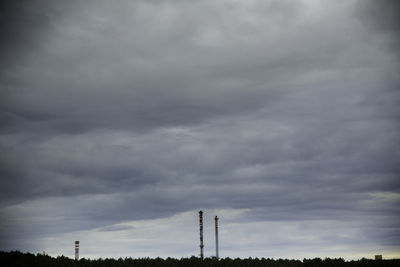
column 216, row 238
column 201, row 234
column 76, row 250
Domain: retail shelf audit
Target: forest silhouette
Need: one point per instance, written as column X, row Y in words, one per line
column 19, row 259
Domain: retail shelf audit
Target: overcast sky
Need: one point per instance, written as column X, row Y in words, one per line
column 120, row 120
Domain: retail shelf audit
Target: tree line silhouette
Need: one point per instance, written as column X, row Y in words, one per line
column 18, row 259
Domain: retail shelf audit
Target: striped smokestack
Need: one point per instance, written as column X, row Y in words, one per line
column 201, row 234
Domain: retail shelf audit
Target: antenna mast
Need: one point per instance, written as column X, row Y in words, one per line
column 216, row 238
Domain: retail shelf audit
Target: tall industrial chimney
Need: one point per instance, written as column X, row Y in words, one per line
column 201, row 234
column 76, row 250
column 216, row 238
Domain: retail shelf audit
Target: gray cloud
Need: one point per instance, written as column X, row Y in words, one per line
column 140, row 110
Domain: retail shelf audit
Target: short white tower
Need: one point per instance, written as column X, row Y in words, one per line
column 76, row 250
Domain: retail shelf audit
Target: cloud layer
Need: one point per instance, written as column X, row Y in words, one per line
column 280, row 115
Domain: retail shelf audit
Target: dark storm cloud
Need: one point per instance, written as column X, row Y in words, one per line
column 20, row 24
column 382, row 16
column 110, row 75
column 111, row 113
